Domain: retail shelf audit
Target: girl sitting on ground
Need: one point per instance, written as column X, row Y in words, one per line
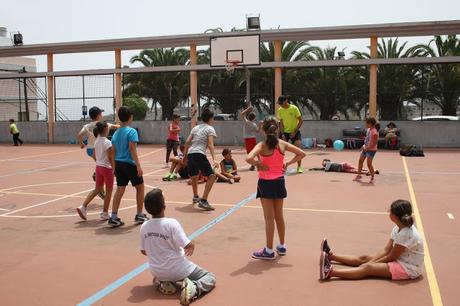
column 329, row 166
column 401, row 259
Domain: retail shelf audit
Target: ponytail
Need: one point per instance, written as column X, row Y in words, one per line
column 270, row 127
column 402, row 209
column 99, row 128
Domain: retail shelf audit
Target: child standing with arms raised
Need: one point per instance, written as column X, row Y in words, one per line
column 104, row 171
column 271, row 186
column 250, row 130
column 172, row 143
column 127, row 166
column 369, row 149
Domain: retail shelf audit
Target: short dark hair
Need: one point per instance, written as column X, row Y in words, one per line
column 403, row 210
column 94, row 112
column 371, row 120
column 124, row 113
column 11, row 120
column 207, row 115
column 251, row 116
column 226, row 151
column 282, row 99
column 154, row 202
column 175, row 116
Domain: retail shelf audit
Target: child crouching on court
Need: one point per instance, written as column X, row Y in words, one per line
column 401, row 259
column 165, row 244
column 268, row 157
column 104, row 170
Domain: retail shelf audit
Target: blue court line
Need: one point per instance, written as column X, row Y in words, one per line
column 132, row 274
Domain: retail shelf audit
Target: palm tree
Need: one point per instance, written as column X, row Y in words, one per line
column 443, row 84
column 395, row 82
column 168, row 89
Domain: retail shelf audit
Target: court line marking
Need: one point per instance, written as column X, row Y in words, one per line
column 150, row 153
column 182, row 202
column 36, row 170
column 431, row 275
column 132, row 274
column 45, row 184
column 46, row 202
column 39, row 155
column 4, row 209
column 450, row 216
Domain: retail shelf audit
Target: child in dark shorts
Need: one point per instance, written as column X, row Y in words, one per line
column 127, row 167
column 228, row 172
column 177, row 167
column 200, row 139
column 268, row 157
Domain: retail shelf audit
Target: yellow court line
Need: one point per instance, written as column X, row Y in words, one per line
column 215, row 204
column 432, row 281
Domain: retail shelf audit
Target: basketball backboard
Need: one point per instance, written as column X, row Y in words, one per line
column 241, row 50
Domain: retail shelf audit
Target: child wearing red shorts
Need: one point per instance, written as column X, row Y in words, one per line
column 250, row 130
column 104, row 171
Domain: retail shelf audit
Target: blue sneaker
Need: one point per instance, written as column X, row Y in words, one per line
column 263, row 254
column 281, row 250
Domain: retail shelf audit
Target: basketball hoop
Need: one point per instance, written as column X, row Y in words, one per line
column 230, row 65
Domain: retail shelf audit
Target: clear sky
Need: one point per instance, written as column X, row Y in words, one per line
column 47, row 21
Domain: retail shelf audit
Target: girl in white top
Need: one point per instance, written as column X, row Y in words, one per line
column 401, row 259
column 104, row 170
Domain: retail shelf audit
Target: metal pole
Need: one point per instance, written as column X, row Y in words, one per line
column 423, row 95
column 83, row 93
column 248, row 85
column 20, row 101
column 26, row 102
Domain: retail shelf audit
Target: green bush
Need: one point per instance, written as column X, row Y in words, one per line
column 137, row 105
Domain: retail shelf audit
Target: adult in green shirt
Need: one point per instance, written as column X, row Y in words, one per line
column 15, row 132
column 290, row 122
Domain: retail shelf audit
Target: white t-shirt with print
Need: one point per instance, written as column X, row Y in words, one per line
column 412, row 258
column 101, row 145
column 250, row 129
column 88, row 130
column 200, row 138
column 163, row 239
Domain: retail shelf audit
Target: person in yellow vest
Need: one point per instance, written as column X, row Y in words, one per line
column 290, row 122
column 15, row 132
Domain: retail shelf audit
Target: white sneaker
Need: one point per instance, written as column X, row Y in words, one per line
column 104, row 216
column 188, row 292
column 82, row 212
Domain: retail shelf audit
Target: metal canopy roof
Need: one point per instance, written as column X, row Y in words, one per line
column 317, row 33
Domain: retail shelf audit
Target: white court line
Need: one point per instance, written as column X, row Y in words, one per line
column 63, row 216
column 36, row 170
column 450, row 216
column 4, row 209
column 155, row 171
column 38, row 155
column 150, row 153
column 46, row 202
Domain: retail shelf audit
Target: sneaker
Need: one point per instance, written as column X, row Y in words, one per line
column 196, row 199
column 325, row 246
column 166, row 288
column 204, row 204
column 101, row 194
column 188, row 292
column 104, row 216
column 281, row 250
column 140, row 218
column 263, row 254
column 167, row 177
column 115, row 222
column 252, row 168
column 325, row 267
column 173, row 177
column 299, row 170
column 82, row 212
column 231, row 181
column 357, row 178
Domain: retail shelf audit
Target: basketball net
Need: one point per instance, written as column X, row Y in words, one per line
column 230, row 66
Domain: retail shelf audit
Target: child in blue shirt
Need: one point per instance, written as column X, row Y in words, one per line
column 127, row 166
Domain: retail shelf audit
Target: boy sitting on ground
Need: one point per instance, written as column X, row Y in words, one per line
column 177, row 167
column 228, row 171
column 165, row 243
